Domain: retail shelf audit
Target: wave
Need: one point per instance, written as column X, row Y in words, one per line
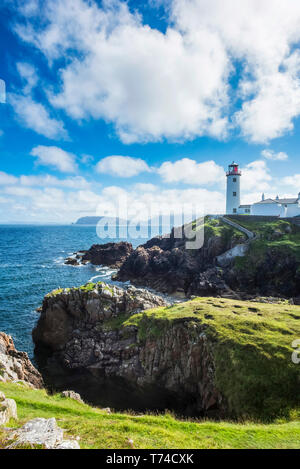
column 103, row 273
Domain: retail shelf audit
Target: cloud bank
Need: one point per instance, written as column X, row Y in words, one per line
column 176, row 84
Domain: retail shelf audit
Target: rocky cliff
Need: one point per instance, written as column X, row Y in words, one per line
column 16, row 366
column 81, row 343
column 164, row 263
column 203, row 357
column 272, row 264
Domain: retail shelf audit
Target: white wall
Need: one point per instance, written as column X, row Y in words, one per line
column 277, row 210
column 266, row 210
column 242, row 211
column 292, row 210
column 233, row 202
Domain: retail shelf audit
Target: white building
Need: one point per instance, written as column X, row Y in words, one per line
column 233, row 196
column 283, row 208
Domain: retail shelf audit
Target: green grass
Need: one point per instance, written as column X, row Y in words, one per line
column 288, row 241
column 252, row 347
column 99, row 430
column 89, row 286
column 216, row 227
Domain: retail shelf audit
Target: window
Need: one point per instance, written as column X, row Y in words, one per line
column 234, row 194
column 234, row 210
column 234, row 179
column 247, row 210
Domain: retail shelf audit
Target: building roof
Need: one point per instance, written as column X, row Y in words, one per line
column 288, row 201
column 278, row 201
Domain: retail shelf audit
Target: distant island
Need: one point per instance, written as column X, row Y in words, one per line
column 95, row 220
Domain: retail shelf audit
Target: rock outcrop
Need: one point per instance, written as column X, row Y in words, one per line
column 41, row 433
column 81, row 345
column 15, row 366
column 164, row 263
column 275, row 273
column 72, row 395
column 109, row 254
column 211, row 282
column 8, row 409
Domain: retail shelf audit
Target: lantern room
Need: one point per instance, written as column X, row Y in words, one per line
column 233, row 170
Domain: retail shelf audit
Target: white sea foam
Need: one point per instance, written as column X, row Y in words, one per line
column 103, row 273
column 60, row 260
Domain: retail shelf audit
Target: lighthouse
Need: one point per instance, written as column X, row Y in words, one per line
column 233, row 196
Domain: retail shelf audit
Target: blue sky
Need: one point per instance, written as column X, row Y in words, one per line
column 145, row 101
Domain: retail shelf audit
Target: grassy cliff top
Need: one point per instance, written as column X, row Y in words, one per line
column 252, row 348
column 99, row 430
column 280, row 234
column 264, row 227
column 216, row 227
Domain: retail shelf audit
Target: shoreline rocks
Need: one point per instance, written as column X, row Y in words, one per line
column 110, row 255
column 164, row 264
column 15, row 366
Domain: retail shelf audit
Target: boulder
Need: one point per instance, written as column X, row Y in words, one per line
column 72, row 261
column 15, row 366
column 72, row 395
column 109, row 254
column 43, row 433
column 8, row 409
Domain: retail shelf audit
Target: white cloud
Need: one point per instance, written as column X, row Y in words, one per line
column 145, row 205
column 292, row 181
column 48, row 204
column 122, row 166
column 56, row 157
column 145, row 187
column 254, row 175
column 175, row 84
column 29, row 75
column 57, row 205
column 271, row 155
column 149, row 84
column 190, row 172
column 6, row 179
column 34, row 116
column 77, row 182
column 87, row 159
column 270, row 114
column 262, row 35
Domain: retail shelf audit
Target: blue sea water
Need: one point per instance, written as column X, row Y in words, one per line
column 32, row 264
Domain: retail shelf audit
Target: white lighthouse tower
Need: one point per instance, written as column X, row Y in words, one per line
column 233, row 196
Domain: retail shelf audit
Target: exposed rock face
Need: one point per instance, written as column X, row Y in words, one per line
column 165, row 264
column 110, row 254
column 43, row 433
column 211, row 283
column 72, row 395
column 16, row 366
column 8, row 409
column 81, row 346
column 274, row 274
column 72, row 261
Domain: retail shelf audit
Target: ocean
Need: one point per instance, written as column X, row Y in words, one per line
column 32, row 264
